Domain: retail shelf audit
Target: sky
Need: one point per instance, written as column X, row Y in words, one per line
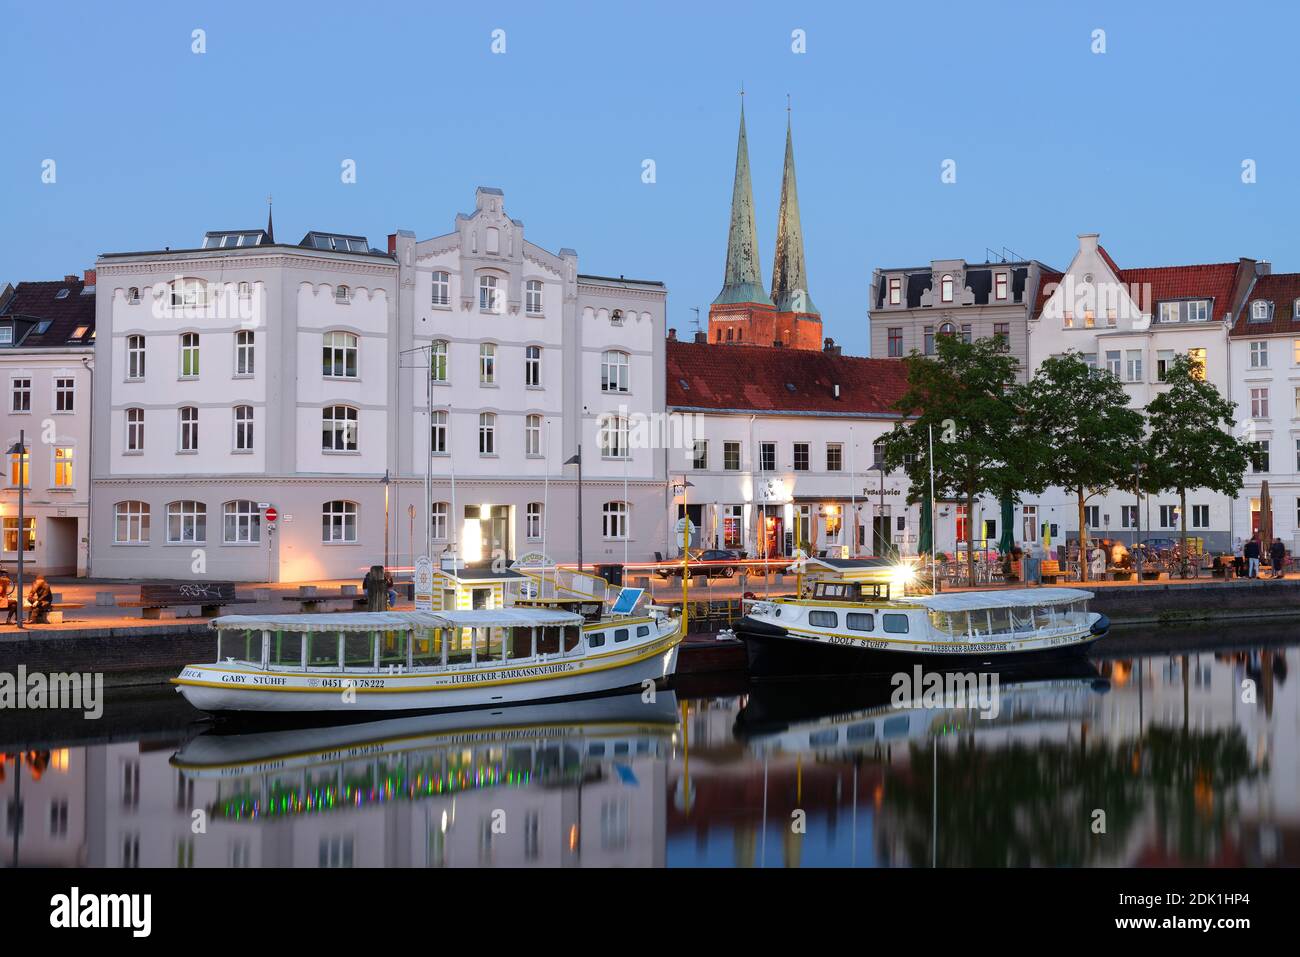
column 153, row 144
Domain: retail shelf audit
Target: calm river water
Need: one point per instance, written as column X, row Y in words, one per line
column 1160, row 759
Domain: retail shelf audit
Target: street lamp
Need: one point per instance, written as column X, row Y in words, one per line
column 19, row 449
column 576, row 459
column 680, row 488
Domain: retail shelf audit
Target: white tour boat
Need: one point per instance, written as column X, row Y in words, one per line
column 854, row 627
column 353, row 663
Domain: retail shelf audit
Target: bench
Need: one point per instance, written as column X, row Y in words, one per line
column 55, row 615
column 1051, row 571
column 311, row 600
column 210, row 597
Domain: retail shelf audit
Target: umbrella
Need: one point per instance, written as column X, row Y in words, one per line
column 925, row 544
column 1007, row 541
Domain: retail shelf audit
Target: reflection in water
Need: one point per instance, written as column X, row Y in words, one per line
column 1192, row 758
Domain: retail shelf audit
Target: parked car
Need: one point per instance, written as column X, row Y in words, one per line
column 709, row 563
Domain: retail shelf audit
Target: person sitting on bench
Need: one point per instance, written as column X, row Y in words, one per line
column 39, row 600
column 6, row 593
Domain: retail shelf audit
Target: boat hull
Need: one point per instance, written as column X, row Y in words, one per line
column 772, row 651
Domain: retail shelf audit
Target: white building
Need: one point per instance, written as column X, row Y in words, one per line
column 47, row 344
column 784, row 454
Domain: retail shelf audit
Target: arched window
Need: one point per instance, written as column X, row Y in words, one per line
column 487, row 363
column 187, row 521
column 244, row 352
column 339, row 428
column 533, row 367
column 438, row 360
column 614, row 371
column 188, row 293
column 188, row 416
column 533, row 521
column 489, row 296
column 441, row 289
column 243, row 428
column 131, row 523
column 533, row 297
column 189, row 355
column 342, row 295
column 947, row 329
column 133, row 295
column 533, row 435
column 438, row 433
column 339, row 355
column 438, row 518
column 135, row 357
column 241, row 523
column 135, row 430
column 1259, row 310
column 487, row 434
column 339, row 522
column 612, row 437
column 945, row 288
column 614, row 520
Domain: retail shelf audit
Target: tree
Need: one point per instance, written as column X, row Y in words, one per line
column 966, row 392
column 1191, row 443
column 1086, row 438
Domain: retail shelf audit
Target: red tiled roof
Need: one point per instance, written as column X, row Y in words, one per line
column 40, row 300
column 764, row 379
column 1281, row 289
column 1101, row 251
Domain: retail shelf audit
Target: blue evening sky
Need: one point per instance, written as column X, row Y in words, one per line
column 1144, row 144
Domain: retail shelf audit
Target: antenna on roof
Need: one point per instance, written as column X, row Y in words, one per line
column 696, row 310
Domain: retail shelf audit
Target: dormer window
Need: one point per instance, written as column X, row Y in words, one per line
column 6, row 335
column 1259, row 310
column 342, row 295
column 1000, row 286
column 1168, row 312
column 945, row 289
column 1295, row 309
column 1198, row 310
column 895, row 290
column 61, row 294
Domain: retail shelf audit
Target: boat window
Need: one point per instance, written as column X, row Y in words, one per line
column 621, row 634
column 824, row 619
column 620, row 747
column 822, row 738
column 861, row 732
column 392, row 648
column 895, row 624
column 286, row 648
column 596, row 749
column 596, row 640
column 548, row 640
column 426, row 650
column 642, row 630
column 323, row 650
column 893, row 727
column 860, row 622
column 357, row 650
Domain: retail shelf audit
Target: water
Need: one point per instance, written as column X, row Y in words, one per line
column 1163, row 759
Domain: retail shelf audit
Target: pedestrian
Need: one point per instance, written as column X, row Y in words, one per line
column 40, row 598
column 1251, row 553
column 392, row 589
column 1277, row 557
column 6, row 597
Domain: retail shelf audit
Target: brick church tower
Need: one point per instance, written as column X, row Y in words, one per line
column 742, row 311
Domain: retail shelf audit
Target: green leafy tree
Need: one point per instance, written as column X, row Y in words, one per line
column 967, row 394
column 1191, row 443
column 1085, row 436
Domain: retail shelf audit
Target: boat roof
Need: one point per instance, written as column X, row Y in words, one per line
column 367, row 621
column 1006, row 598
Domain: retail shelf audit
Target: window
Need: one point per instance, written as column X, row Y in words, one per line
column 731, row 456
column 489, row 297
column 1197, row 356
column 732, row 527
column 947, row 329
column 1168, row 516
column 135, row 430
column 135, row 357
column 63, row 466
column 1259, row 403
column 438, row 433
column 895, row 290
column 1092, row 515
column 1200, row 516
column 1000, row 285
column 834, row 457
column 823, row 619
column 438, row 360
column 1133, row 365
column 187, row 521
column 1128, row 516
column 801, row 456
column 438, row 518
column 487, row 434
column 1002, row 335
column 244, row 352
column 342, row 295
column 533, row 297
column 1168, row 312
column 22, row 395
column 441, row 289
column 856, row 621
column 190, row 355
column 945, row 289
column 1114, row 363
column 533, row 521
column 133, row 295
column 1295, row 309
column 242, row 523
column 487, row 364
column 1259, row 355
column 338, row 428
column 130, row 523
column 966, row 332
column 7, row 335
column 929, row 340
column 533, row 367
column 1164, row 359
column 895, row 342
column 188, row 417
column 339, row 522
column 1259, row 310
column 65, row 393
column 1029, row 523
column 1198, row 310
column 700, row 455
column 20, row 469
column 533, row 435
column 243, row 428
column 614, row 371
column 339, row 355
column 767, row 456
column 11, row 534
column 614, row 520
column 188, row 293
column 895, row 624
column 1259, row 459
column 612, row 437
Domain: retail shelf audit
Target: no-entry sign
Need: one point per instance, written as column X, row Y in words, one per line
column 271, row 514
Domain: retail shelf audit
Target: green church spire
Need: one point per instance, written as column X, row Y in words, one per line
column 789, row 274
column 741, row 282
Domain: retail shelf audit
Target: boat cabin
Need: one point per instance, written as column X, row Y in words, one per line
column 854, row 591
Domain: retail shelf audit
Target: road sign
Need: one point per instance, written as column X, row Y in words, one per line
column 423, row 583
column 683, row 524
column 271, row 514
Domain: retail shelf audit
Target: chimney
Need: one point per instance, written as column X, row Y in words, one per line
column 672, row 335
column 1263, row 268
column 701, row 337
column 89, row 277
column 1088, row 242
column 70, row 278
column 831, row 349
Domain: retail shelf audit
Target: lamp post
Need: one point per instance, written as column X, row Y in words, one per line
column 576, row 459
column 387, row 483
column 1137, row 519
column 19, row 449
column 686, row 549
